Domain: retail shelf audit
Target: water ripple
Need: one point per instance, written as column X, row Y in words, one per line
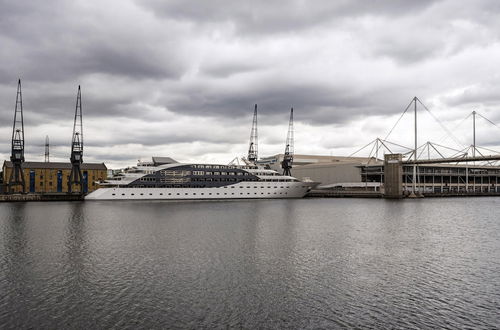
column 308, row 264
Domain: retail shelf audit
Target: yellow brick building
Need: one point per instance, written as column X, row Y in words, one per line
column 52, row 177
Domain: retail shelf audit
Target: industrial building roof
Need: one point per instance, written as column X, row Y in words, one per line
column 446, row 165
column 299, row 159
column 58, row 165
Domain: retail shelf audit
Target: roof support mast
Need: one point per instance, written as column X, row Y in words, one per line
column 415, row 151
column 286, row 164
column 76, row 177
column 473, row 133
column 17, row 152
column 253, row 148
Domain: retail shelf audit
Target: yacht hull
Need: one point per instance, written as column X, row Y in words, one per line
column 242, row 190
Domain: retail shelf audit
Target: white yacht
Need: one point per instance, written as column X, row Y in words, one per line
column 164, row 178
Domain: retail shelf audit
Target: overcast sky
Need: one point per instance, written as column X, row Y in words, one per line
column 180, row 78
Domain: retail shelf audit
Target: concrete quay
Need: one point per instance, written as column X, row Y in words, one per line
column 39, row 197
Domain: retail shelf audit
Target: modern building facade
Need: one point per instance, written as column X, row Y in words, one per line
column 438, row 178
column 362, row 173
column 324, row 169
column 53, row 177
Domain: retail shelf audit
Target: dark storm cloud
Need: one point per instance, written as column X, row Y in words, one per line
column 263, row 16
column 314, row 103
column 54, row 40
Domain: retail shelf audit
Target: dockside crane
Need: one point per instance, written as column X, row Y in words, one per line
column 253, row 147
column 76, row 177
column 286, row 164
column 17, row 155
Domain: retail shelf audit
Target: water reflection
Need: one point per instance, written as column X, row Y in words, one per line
column 265, row 264
column 76, row 253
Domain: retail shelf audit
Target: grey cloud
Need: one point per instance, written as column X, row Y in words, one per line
column 225, row 70
column 144, row 63
column 485, row 93
column 263, row 16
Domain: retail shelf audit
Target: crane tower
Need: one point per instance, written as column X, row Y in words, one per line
column 253, row 147
column 17, row 152
column 76, row 177
column 286, row 164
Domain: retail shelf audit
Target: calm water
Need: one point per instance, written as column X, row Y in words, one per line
column 312, row 263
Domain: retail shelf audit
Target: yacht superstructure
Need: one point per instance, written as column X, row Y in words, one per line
column 164, row 178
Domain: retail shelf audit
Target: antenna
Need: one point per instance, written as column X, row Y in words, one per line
column 286, row 164
column 47, row 153
column 253, row 147
column 17, row 155
column 76, row 177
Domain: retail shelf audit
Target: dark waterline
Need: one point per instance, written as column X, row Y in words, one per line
column 311, row 263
